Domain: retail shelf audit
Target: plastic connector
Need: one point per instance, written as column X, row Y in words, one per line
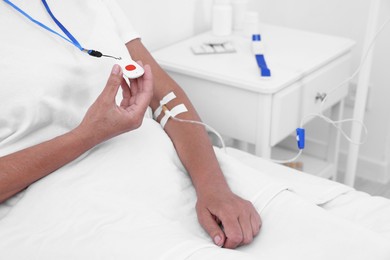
column 172, row 113
column 300, row 138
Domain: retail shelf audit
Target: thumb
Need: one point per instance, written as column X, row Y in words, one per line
column 210, row 224
column 114, row 81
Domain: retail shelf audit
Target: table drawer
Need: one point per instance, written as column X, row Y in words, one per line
column 325, row 81
column 300, row 100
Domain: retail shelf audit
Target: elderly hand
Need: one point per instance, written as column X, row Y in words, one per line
column 105, row 119
column 229, row 220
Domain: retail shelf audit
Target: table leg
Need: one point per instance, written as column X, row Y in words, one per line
column 334, row 138
column 264, row 112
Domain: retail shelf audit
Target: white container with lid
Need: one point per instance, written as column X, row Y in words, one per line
column 222, row 18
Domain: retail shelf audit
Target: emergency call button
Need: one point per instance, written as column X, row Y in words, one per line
column 130, row 67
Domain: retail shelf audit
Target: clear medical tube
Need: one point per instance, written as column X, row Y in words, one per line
column 223, row 146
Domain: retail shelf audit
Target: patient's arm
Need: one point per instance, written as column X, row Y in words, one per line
column 103, row 120
column 215, row 200
column 20, row 169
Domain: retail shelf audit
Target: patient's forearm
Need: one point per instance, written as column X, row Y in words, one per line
column 196, row 153
column 195, row 149
column 191, row 141
column 18, row 170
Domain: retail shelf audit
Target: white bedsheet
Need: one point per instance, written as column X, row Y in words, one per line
column 112, row 203
column 338, row 199
column 368, row 211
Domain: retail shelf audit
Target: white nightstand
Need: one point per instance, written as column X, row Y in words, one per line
column 230, row 95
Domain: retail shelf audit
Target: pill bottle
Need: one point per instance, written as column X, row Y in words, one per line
column 222, row 18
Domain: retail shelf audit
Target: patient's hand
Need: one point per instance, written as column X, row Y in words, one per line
column 105, row 119
column 229, row 220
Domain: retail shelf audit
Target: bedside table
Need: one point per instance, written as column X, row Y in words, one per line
column 231, row 96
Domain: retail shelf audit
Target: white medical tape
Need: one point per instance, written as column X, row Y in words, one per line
column 170, row 96
column 257, row 48
column 174, row 112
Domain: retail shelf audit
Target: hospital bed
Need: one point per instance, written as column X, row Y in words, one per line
column 136, row 201
column 99, row 208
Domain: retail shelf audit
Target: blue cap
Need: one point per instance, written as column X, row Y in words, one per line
column 256, row 37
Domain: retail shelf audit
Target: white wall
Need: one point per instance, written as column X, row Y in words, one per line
column 162, row 22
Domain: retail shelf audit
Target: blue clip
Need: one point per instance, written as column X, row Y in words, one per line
column 265, row 71
column 258, row 51
column 301, row 138
column 256, row 37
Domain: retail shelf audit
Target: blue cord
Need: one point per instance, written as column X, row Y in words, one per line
column 71, row 39
column 70, row 36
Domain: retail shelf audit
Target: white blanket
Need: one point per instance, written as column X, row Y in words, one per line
column 130, row 198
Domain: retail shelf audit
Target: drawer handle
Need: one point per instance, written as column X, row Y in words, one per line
column 320, row 96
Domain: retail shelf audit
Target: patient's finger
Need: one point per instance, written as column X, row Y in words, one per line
column 256, row 223
column 114, row 81
column 246, row 228
column 125, row 89
column 209, row 223
column 125, row 94
column 233, row 232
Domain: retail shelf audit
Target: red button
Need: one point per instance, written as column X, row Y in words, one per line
column 130, row 67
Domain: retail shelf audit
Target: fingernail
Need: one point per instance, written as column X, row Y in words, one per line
column 116, row 69
column 217, row 240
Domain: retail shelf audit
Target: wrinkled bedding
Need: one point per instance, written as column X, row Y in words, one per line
column 131, row 198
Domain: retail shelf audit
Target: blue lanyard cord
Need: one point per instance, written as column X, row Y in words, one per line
column 70, row 38
column 44, row 26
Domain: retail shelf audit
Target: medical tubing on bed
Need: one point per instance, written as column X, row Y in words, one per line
column 300, row 136
column 288, row 160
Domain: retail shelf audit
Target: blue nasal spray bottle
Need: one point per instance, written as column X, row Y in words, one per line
column 258, row 51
